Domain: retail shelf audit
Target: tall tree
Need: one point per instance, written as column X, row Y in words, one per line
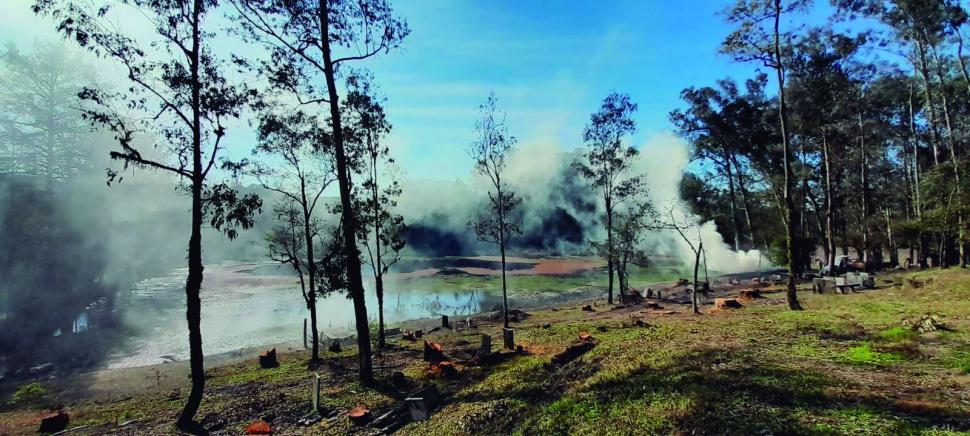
column 759, row 38
column 293, row 164
column 41, row 132
column 177, row 95
column 606, row 164
column 309, row 42
column 490, row 151
column 382, row 230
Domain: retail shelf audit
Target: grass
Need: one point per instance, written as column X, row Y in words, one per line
column 847, row 365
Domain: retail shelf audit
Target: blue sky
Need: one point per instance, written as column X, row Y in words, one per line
column 550, row 63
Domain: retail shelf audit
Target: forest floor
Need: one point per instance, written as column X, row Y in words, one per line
column 848, row 364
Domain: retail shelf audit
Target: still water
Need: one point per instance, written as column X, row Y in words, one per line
column 259, row 304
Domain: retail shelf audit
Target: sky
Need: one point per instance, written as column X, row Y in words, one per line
column 550, row 64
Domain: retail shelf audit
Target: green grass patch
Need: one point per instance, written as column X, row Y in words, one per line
column 865, row 355
column 897, row 334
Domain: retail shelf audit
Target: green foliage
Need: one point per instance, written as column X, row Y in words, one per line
column 28, row 394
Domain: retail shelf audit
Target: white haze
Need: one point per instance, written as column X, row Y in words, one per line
column 534, row 171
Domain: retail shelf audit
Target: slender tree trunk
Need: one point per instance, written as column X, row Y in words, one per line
column 733, row 199
column 790, row 229
column 864, row 175
column 928, row 100
column 378, row 263
column 744, row 201
column 311, row 272
column 829, row 210
column 951, row 144
column 349, row 224
column 501, row 245
column 193, row 283
column 609, row 250
column 694, row 304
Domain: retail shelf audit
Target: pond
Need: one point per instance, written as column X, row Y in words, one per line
column 249, row 305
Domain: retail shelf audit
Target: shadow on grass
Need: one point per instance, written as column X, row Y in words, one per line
column 710, row 391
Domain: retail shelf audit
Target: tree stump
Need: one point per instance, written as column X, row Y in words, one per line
column 486, row 347
column 268, row 359
column 335, row 346
column 508, row 337
column 588, row 308
column 54, row 422
column 359, row 415
column 444, row 321
column 258, row 427
column 433, row 352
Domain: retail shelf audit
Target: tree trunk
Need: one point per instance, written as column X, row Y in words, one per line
column 381, row 338
column 193, row 283
column 931, row 110
column 501, row 245
column 311, row 272
column 829, row 210
column 349, row 221
column 609, row 250
column 790, row 229
column 733, row 198
column 744, row 201
column 864, row 175
column 693, row 294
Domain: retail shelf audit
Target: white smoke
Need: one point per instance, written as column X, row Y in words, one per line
column 536, row 171
column 663, row 160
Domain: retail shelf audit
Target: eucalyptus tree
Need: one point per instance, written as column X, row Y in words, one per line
column 758, row 38
column 178, row 96
column 291, row 162
column 495, row 224
column 310, row 44
column 382, row 230
column 606, row 165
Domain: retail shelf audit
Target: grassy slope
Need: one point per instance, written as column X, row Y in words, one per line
column 843, row 366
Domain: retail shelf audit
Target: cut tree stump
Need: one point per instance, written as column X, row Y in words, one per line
column 54, row 422
column 508, row 339
column 587, row 308
column 258, row 427
column 433, row 352
column 359, row 415
column 268, row 359
column 335, row 346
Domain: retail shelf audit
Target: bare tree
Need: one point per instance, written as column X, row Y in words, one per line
column 607, row 161
column 178, row 95
column 489, row 151
column 683, row 225
column 309, row 42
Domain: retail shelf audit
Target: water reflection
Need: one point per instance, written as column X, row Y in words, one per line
column 246, row 306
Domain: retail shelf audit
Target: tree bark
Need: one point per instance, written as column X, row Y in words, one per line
column 790, row 228
column 609, row 250
column 354, row 279
column 193, row 283
column 829, row 210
